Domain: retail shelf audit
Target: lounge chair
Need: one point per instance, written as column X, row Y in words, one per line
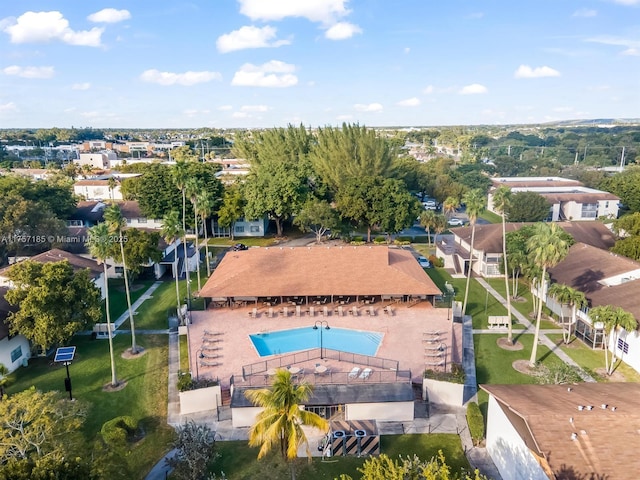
column 366, row 373
column 354, row 372
column 208, row 363
column 298, row 312
column 325, row 311
column 340, row 311
column 372, row 311
column 354, row 311
column 312, row 312
column 270, row 314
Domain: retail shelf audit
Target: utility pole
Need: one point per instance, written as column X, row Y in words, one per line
column 622, row 159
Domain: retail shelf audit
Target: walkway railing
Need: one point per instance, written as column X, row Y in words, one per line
column 281, row 361
column 327, row 378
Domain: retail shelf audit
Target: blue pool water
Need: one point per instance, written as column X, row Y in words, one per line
column 284, row 341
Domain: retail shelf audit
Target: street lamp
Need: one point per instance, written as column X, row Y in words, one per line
column 320, row 324
column 199, row 355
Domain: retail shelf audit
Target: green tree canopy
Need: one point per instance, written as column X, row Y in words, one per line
column 351, row 152
column 36, row 425
column 625, row 185
column 54, row 302
column 316, row 216
column 280, row 175
column 411, row 468
column 140, row 249
column 527, row 207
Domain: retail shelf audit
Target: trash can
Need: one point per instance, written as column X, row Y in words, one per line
column 25, row 362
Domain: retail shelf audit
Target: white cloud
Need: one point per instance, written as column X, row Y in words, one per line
column 223, row 108
column 370, row 107
column 249, row 37
column 81, row 86
column 109, row 15
column 473, row 89
column 563, row 109
column 240, row 115
column 428, row 90
column 29, row 72
column 634, row 52
column 525, row 71
column 186, row 79
column 324, row 11
column 407, row 50
column 632, row 46
column 627, row 2
column 42, row 27
column 254, row 108
column 342, row 31
column 343, row 118
column 585, row 13
column 271, row 74
column 8, row 107
column 475, row 15
column 409, row 102
column 192, row 112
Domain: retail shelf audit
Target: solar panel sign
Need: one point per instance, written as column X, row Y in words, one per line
column 65, row 354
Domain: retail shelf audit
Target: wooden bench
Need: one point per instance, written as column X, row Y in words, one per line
column 498, row 321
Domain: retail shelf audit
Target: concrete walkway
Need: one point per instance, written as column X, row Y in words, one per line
column 530, row 328
column 135, row 305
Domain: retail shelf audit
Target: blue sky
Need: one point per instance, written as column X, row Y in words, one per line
column 266, row 63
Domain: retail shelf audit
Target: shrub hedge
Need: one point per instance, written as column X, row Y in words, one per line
column 475, row 420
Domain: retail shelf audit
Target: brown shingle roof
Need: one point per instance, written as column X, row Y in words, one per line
column 57, row 255
column 585, row 266
column 130, row 209
column 536, row 183
column 607, row 442
column 489, row 237
column 578, row 197
column 288, row 271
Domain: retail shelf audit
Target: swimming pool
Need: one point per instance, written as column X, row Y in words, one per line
column 284, row 341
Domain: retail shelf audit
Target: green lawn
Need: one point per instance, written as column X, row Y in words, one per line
column 480, row 305
column 118, row 297
column 591, row 359
column 144, row 397
column 238, row 460
column 493, row 364
column 491, row 217
column 526, row 307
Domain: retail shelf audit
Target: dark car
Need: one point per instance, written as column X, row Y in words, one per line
column 239, row 246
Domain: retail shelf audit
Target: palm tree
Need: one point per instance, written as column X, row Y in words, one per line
column 205, row 208
column 281, row 420
column 113, row 183
column 180, row 176
column 565, row 295
column 501, row 198
column 193, row 188
column 101, row 247
column 116, row 223
column 476, row 203
column 449, row 206
column 546, row 248
column 612, row 318
column 439, row 226
column 171, row 231
column 428, row 220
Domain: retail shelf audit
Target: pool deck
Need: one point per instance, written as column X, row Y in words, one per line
column 405, row 332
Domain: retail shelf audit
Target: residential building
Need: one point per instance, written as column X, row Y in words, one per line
column 606, row 279
column 14, row 349
column 242, row 228
column 98, row 160
column 552, row 432
column 96, row 189
column 487, row 251
column 78, row 262
column 570, row 200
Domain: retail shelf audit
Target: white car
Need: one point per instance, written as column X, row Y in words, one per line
column 455, row 222
column 424, row 263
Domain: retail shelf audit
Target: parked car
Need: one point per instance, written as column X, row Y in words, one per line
column 239, row 246
column 430, row 205
column 455, row 222
column 424, row 263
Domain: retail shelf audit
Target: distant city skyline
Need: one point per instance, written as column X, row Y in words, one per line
column 269, row 63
